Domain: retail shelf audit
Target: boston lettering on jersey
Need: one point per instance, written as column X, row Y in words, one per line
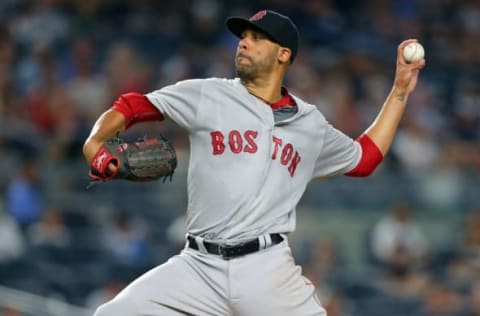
column 238, row 143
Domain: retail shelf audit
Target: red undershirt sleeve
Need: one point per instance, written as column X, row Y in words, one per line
column 371, row 158
column 136, row 108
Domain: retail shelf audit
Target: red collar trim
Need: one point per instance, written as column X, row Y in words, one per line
column 286, row 100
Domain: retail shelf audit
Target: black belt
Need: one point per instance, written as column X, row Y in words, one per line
column 232, row 251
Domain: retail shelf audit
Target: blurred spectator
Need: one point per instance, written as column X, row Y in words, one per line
column 457, row 270
column 35, row 75
column 12, row 244
column 324, row 262
column 205, row 18
column 66, row 128
column 325, row 25
column 50, row 230
column 400, row 248
column 125, row 69
column 126, row 239
column 174, row 69
column 466, row 119
column 398, row 241
column 441, row 300
column 463, row 265
column 415, row 147
column 41, row 22
column 323, row 266
column 24, row 197
column 86, row 85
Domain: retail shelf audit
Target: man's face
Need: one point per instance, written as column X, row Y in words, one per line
column 256, row 55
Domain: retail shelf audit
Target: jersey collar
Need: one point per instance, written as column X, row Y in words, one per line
column 286, row 100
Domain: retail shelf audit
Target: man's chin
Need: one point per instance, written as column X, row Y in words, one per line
column 245, row 78
column 246, row 72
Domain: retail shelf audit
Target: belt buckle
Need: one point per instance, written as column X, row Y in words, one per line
column 224, row 251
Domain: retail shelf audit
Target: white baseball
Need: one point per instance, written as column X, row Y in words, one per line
column 413, row 52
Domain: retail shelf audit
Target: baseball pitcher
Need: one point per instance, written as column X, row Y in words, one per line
column 254, row 148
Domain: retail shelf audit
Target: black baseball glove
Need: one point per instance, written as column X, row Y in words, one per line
column 146, row 159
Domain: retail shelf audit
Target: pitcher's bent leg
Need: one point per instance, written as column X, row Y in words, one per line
column 188, row 284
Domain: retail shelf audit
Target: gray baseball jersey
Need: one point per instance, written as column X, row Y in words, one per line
column 248, row 172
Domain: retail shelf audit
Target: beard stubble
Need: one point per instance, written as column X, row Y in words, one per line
column 252, row 71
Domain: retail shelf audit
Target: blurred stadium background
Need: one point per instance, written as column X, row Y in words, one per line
column 405, row 241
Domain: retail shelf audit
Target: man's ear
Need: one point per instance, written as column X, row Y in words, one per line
column 284, row 55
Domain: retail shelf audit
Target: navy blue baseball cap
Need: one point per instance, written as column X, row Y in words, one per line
column 279, row 28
